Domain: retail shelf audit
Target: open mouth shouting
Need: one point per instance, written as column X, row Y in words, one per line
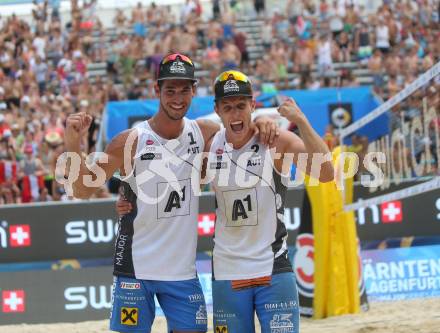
column 237, row 126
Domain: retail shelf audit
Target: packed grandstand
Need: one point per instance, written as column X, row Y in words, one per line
column 54, row 64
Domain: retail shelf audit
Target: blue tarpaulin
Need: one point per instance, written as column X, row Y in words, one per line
column 314, row 103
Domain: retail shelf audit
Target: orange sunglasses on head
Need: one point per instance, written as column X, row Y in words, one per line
column 173, row 57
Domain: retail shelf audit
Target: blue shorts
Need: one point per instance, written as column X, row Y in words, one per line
column 133, row 307
column 276, row 306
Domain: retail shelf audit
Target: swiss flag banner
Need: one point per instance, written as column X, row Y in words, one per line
column 20, row 235
column 13, row 301
column 391, row 211
column 206, row 224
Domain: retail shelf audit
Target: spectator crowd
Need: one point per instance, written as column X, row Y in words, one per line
column 46, row 65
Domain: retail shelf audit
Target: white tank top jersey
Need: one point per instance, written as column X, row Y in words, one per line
column 250, row 235
column 157, row 240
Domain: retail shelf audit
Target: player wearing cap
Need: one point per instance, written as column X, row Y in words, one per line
column 251, row 269
column 156, row 244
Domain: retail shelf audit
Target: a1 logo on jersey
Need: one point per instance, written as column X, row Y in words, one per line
column 172, row 202
column 13, row 301
column 241, row 207
column 20, row 235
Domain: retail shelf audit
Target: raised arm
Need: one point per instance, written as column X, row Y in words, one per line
column 87, row 179
column 318, row 155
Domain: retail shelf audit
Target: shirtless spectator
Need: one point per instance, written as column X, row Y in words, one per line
column 278, row 56
column 228, row 21
column 393, row 85
column 412, row 61
column 138, row 21
column 212, row 58
column 303, row 61
column 231, row 56
column 120, row 21
column 344, row 47
column 187, row 42
column 375, row 65
column 215, row 33
column 393, row 63
column 44, row 72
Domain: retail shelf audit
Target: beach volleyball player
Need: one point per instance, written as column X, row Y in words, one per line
column 156, row 244
column 251, row 270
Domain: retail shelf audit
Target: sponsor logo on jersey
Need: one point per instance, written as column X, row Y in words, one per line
column 221, row 329
column 285, row 306
column 130, row 285
column 201, row 315
column 281, row 323
column 151, row 156
column 195, row 298
column 129, row 316
column 218, row 165
column 149, row 142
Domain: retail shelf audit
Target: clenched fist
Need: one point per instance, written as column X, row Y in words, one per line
column 77, row 126
column 291, row 111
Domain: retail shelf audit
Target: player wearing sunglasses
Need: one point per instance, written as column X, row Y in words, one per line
column 155, row 248
column 251, row 270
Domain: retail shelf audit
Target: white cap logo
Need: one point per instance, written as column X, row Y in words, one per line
column 231, row 86
column 177, row 67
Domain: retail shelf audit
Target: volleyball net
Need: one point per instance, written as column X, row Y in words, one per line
column 398, row 144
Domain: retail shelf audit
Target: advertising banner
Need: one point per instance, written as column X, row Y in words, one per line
column 86, row 229
column 402, row 273
column 414, row 216
column 55, row 296
column 74, row 295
